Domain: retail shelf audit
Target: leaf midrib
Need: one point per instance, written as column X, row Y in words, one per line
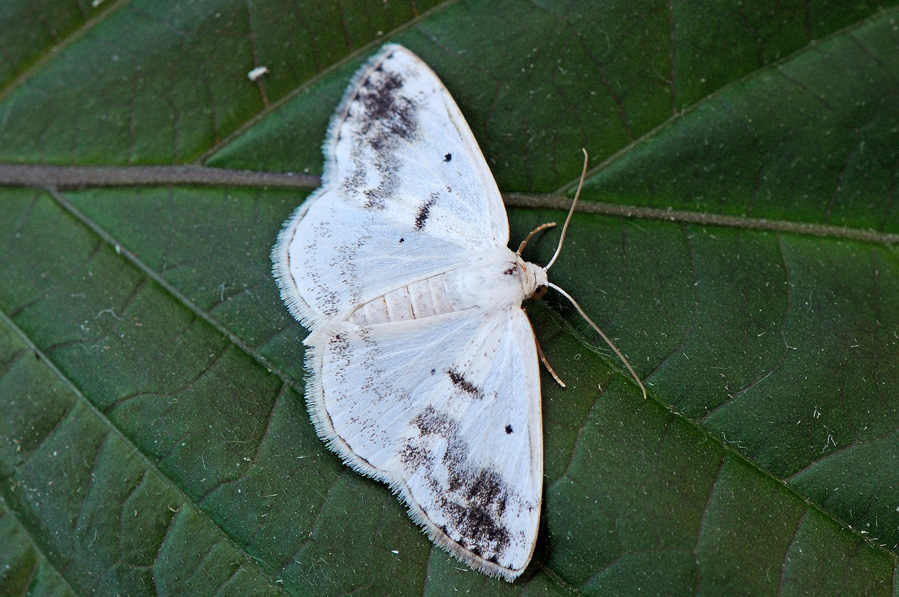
column 57, row 178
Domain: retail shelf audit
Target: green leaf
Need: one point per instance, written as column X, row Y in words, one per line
column 735, row 240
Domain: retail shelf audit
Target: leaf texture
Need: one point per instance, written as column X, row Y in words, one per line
column 153, row 436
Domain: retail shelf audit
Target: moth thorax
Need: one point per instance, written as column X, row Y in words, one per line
column 492, row 279
column 495, row 278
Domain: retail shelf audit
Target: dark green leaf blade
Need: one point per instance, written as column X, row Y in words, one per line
column 95, row 507
column 812, row 140
column 158, row 83
column 23, row 568
column 157, row 307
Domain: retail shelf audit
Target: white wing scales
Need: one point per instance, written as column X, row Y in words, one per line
column 405, row 193
column 447, row 411
column 402, row 147
column 446, row 408
column 333, row 256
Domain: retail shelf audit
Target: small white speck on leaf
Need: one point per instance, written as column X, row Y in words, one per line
column 257, row 72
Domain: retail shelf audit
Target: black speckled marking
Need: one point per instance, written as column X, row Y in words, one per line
column 472, row 500
column 339, row 344
column 380, row 118
column 508, row 429
column 414, row 457
column 463, row 384
column 448, row 157
column 424, row 211
column 348, row 253
column 386, row 108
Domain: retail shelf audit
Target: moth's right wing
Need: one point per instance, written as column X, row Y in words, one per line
column 446, row 410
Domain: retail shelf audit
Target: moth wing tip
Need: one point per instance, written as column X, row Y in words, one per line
column 446, row 543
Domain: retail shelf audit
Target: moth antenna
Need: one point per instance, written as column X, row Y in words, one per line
column 539, row 228
column 580, row 185
column 600, row 332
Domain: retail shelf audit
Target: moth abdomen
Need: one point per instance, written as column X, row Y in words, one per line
column 420, row 299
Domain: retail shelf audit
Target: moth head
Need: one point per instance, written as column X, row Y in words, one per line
column 532, row 277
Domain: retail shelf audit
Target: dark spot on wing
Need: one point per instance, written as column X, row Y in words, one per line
column 375, row 198
column 382, row 118
column 473, row 500
column 486, row 488
column 511, row 270
column 508, row 429
column 431, row 422
column 339, row 343
column 387, row 111
column 478, row 519
column 424, row 211
column 402, row 239
column 414, row 457
column 463, row 384
column 433, row 371
column 447, row 157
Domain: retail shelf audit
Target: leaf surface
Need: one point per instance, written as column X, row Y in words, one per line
column 154, row 437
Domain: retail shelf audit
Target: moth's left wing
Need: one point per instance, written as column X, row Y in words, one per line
column 398, row 145
column 406, row 194
column 446, row 410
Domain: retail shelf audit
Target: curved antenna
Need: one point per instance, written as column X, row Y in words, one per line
column 580, row 185
column 604, row 337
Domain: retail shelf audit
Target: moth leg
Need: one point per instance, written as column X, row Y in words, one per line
column 539, row 228
column 540, row 350
column 547, row 365
column 543, row 358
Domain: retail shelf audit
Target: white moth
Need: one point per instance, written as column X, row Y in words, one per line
column 422, row 366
